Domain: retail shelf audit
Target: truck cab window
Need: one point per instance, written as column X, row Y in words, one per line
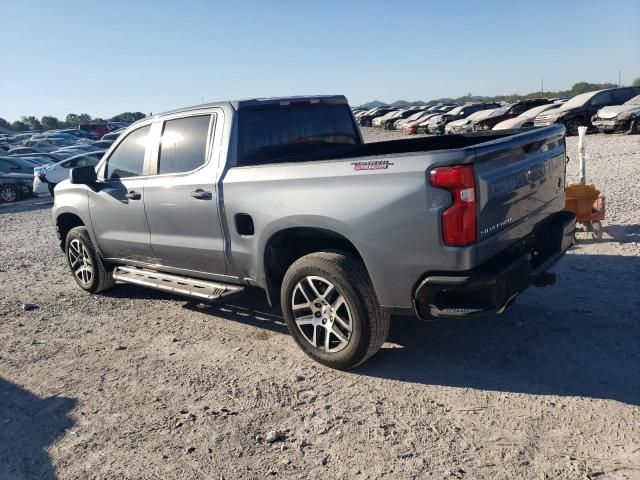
column 183, row 144
column 127, row 160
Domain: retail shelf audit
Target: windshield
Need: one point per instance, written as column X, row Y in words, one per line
column 578, row 100
column 634, row 101
column 275, row 132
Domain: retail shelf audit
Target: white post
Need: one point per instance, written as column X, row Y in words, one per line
column 582, row 155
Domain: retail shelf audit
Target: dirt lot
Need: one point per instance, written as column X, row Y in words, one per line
column 139, row 384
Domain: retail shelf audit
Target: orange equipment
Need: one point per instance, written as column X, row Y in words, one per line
column 589, row 206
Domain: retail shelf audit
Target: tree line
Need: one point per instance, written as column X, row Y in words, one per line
column 576, row 89
column 72, row 120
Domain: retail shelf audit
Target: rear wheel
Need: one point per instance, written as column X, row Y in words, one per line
column 87, row 268
column 9, row 193
column 634, row 128
column 572, row 126
column 331, row 309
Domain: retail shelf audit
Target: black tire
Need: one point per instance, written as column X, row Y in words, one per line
column 102, row 276
column 9, row 193
column 369, row 324
column 572, row 125
column 366, row 123
column 634, row 128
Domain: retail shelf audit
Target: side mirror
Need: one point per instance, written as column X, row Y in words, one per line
column 83, row 175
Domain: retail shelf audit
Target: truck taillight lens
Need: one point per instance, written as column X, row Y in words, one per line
column 459, row 220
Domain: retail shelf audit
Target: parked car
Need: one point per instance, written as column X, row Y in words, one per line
column 18, row 150
column 436, row 124
column 466, row 124
column 112, row 135
column 504, row 113
column 420, row 126
column 47, row 158
column 365, row 119
column 14, row 186
column 398, row 124
column 46, row 178
column 526, row 119
column 33, row 158
column 431, row 232
column 17, row 165
column 101, row 144
column 619, row 118
column 379, row 120
column 99, row 129
column 580, row 109
column 389, row 124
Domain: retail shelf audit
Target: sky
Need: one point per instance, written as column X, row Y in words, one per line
column 107, row 57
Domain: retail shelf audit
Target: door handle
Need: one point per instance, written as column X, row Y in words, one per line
column 133, row 195
column 201, row 194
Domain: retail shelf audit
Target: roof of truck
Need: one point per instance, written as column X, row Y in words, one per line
column 257, row 102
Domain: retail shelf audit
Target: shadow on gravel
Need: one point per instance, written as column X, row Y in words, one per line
column 28, row 425
column 580, row 337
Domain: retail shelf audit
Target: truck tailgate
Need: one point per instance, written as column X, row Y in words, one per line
column 520, row 182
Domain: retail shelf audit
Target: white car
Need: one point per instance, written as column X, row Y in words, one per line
column 46, row 178
column 466, row 124
column 525, row 119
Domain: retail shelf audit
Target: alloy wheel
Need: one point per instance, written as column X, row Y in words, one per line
column 8, row 194
column 80, row 261
column 321, row 314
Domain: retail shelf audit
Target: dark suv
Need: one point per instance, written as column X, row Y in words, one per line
column 578, row 111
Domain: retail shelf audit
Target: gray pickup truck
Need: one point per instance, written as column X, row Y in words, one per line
column 284, row 195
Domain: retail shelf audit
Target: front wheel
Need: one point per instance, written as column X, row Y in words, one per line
column 331, row 309
column 9, row 193
column 88, row 269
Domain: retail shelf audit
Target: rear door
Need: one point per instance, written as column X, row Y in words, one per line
column 181, row 196
column 117, row 205
column 520, row 180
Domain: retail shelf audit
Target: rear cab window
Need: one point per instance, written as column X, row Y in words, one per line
column 280, row 133
column 183, row 144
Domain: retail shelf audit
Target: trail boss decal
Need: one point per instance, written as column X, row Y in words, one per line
column 372, row 165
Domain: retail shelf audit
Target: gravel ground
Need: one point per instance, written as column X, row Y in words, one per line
column 139, row 384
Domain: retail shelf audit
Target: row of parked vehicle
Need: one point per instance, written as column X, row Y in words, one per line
column 33, row 163
column 610, row 110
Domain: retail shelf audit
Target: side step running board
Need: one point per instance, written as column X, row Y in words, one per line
column 191, row 287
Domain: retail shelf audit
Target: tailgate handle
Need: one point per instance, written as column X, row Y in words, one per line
column 533, row 146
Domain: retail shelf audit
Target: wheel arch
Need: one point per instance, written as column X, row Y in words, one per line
column 289, row 244
column 65, row 221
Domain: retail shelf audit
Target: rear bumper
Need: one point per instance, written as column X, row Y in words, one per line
column 494, row 285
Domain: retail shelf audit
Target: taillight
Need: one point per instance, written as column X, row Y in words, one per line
column 459, row 220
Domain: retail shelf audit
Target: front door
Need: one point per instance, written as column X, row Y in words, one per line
column 181, row 198
column 117, row 204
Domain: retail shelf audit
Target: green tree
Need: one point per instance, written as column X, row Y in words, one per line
column 72, row 120
column 4, row 125
column 32, row 122
column 128, row 117
column 84, row 118
column 50, row 123
column 19, row 126
column 636, row 82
